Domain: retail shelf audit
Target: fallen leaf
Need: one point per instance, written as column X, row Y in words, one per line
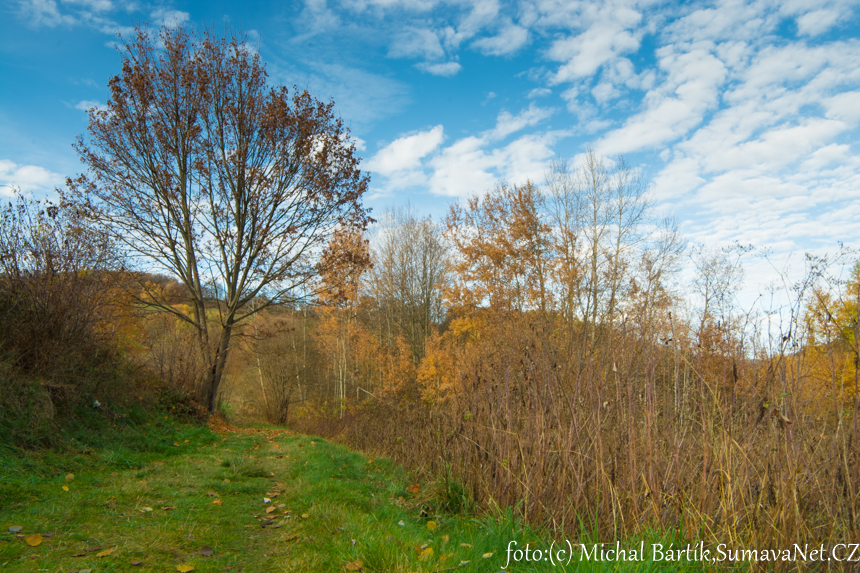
column 267, row 500
column 106, row 552
column 176, row 444
column 354, row 565
column 463, row 563
column 445, row 539
column 136, row 563
column 305, row 516
column 414, row 488
column 70, row 477
column 216, row 502
column 431, row 525
column 270, row 509
column 145, row 509
column 46, row 535
column 65, row 488
column 426, row 554
column 168, row 507
column 206, row 551
column 34, row 540
column 15, row 529
column 401, row 523
column 184, row 568
column 466, row 545
column 486, row 555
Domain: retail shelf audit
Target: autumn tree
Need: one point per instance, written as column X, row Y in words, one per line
column 502, row 250
column 199, row 168
column 345, row 259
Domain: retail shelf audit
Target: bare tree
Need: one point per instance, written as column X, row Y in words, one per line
column 200, row 168
column 596, row 209
column 408, row 278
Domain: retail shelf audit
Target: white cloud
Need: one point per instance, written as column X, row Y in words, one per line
column 44, row 13
column 844, row 106
column 405, row 153
column 361, row 97
column 407, row 5
column 817, row 22
column 446, row 69
column 26, row 177
column 586, row 53
column 94, row 5
column 359, row 143
column 611, row 32
column 470, row 164
column 737, row 20
column 416, row 43
column 673, row 108
column 462, row 169
column 87, row 104
column 316, row 18
column 539, row 92
column 466, row 167
column 169, row 18
column 510, row 39
column 506, row 123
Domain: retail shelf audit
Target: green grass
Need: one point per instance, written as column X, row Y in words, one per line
column 150, row 501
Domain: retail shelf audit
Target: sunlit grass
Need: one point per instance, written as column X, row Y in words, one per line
column 158, row 507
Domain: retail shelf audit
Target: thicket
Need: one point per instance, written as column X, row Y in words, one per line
column 77, row 350
column 542, row 347
column 54, row 355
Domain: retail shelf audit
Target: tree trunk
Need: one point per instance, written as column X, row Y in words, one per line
column 214, row 382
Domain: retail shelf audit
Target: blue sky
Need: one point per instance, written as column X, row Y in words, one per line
column 743, row 116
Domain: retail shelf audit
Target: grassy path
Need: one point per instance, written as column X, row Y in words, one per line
column 173, row 497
